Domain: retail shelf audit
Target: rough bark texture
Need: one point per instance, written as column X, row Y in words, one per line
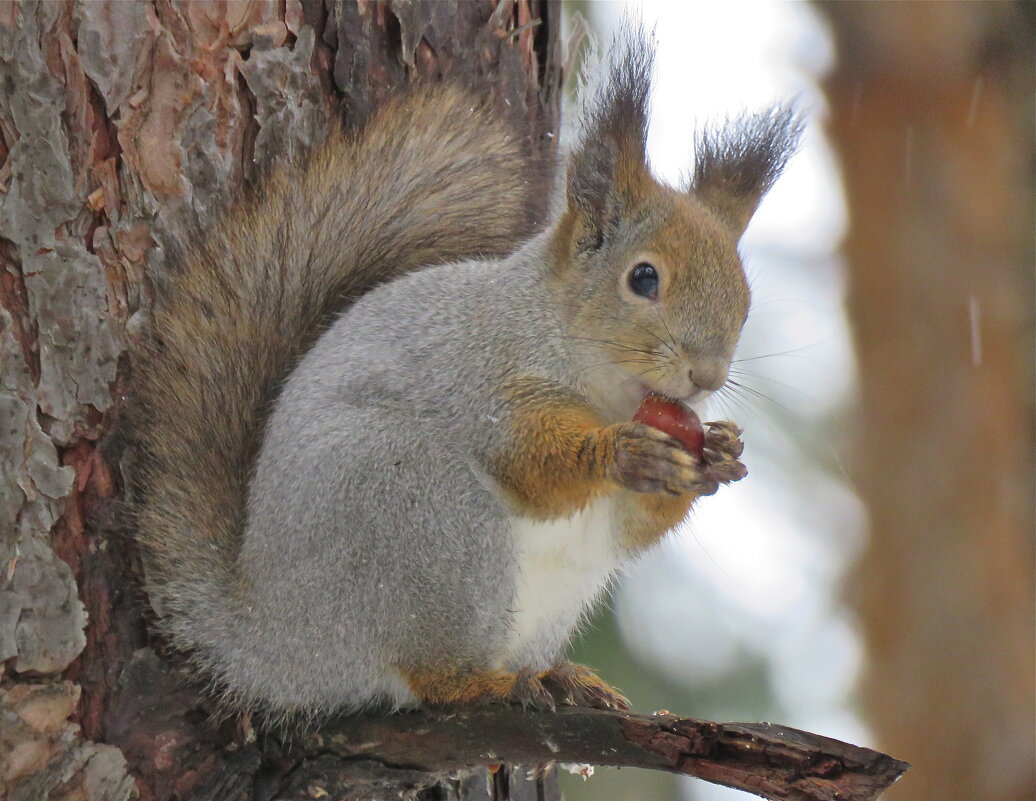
column 932, row 110
column 116, row 117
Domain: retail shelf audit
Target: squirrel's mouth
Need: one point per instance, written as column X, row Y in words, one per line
column 647, row 391
column 692, row 402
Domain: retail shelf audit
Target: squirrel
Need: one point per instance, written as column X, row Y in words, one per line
column 385, row 414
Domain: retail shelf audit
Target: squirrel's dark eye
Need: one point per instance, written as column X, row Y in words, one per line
column 644, row 281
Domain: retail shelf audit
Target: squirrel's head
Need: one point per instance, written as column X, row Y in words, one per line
column 654, row 292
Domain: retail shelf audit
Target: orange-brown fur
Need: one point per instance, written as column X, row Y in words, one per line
column 647, row 518
column 565, row 682
column 451, row 686
column 560, row 451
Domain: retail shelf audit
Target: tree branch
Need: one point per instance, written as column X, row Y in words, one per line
column 771, row 761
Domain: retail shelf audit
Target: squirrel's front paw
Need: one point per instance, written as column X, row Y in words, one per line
column 722, row 452
column 648, row 460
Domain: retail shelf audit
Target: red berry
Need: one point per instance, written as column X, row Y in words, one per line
column 675, row 419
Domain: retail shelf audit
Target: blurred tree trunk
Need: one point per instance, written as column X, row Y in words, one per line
column 932, row 111
column 115, row 118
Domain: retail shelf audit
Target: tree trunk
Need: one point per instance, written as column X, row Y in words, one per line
column 114, row 117
column 932, row 111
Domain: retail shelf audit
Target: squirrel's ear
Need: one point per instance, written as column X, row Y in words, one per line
column 734, row 166
column 592, row 195
column 606, row 163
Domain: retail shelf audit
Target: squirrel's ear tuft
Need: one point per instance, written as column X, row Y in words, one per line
column 734, row 166
column 607, row 158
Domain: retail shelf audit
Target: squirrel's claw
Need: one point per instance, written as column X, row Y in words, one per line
column 724, row 437
column 576, row 685
column 529, row 691
column 722, row 451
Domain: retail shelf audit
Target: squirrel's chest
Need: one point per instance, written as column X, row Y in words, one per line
column 564, row 566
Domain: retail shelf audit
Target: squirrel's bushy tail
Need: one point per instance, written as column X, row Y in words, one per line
column 434, row 174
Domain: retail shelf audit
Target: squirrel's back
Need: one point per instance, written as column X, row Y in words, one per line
column 435, row 174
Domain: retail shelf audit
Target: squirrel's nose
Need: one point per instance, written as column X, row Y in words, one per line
column 709, row 376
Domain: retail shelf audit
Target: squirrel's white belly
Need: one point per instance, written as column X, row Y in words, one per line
column 564, row 566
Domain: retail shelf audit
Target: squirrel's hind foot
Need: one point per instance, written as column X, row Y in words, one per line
column 577, row 685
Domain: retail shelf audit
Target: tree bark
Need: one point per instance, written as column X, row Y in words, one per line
column 932, row 112
column 115, row 118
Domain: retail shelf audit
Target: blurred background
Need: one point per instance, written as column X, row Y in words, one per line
column 873, row 578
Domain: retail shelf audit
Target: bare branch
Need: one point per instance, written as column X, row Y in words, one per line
column 771, row 761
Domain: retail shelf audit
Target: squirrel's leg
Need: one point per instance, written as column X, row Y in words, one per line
column 448, row 687
column 552, row 457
